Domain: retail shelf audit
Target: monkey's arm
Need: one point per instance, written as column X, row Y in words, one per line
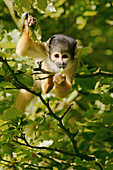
column 27, row 47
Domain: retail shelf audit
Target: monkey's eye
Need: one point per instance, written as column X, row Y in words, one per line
column 65, row 56
column 56, row 55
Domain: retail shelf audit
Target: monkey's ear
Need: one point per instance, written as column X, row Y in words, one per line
column 46, row 44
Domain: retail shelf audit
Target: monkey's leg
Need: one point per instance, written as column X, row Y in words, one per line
column 23, row 99
column 47, row 84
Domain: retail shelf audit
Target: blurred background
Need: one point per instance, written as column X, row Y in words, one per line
column 91, row 115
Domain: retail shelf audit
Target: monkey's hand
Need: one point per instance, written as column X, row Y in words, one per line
column 31, row 21
column 59, row 79
column 62, row 86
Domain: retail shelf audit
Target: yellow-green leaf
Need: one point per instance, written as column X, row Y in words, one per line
column 22, row 6
column 81, row 22
column 8, row 45
column 90, row 13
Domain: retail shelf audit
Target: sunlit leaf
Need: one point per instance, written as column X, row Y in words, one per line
column 90, row 13
column 59, row 3
column 57, row 13
column 46, row 143
column 110, row 22
column 41, row 4
column 15, row 35
column 12, row 114
column 50, row 8
column 35, row 33
column 81, row 22
column 8, row 45
column 22, row 6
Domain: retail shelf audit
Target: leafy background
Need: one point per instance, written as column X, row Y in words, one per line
column 75, row 137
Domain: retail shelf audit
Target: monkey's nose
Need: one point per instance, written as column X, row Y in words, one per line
column 62, row 64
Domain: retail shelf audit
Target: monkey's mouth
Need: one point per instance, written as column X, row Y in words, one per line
column 61, row 65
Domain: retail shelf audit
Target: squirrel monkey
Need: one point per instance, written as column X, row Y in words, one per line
column 59, row 52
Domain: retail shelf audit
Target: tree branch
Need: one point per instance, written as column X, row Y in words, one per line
column 44, row 148
column 66, row 112
column 99, row 72
column 70, row 135
column 52, row 114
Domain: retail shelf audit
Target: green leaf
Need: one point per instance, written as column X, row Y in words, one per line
column 7, row 148
column 108, row 119
column 85, row 51
column 107, row 99
column 58, row 13
column 2, row 72
column 41, row 4
column 59, row 3
column 27, row 80
column 90, row 112
column 86, row 83
column 81, row 22
column 1, row 28
column 5, row 68
column 22, row 6
column 2, row 54
column 6, row 83
column 93, row 97
column 15, row 35
column 110, row 22
column 109, row 166
column 24, row 67
column 12, row 114
column 8, row 45
column 50, row 8
column 90, row 13
column 35, row 33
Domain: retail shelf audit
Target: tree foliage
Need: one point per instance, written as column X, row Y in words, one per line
column 77, row 131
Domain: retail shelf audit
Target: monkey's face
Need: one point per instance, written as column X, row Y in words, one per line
column 60, row 59
column 61, row 50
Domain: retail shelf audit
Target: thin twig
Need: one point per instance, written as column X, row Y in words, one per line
column 66, row 112
column 34, row 166
column 48, row 157
column 43, row 78
column 42, row 71
column 67, row 131
column 99, row 72
column 44, row 148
